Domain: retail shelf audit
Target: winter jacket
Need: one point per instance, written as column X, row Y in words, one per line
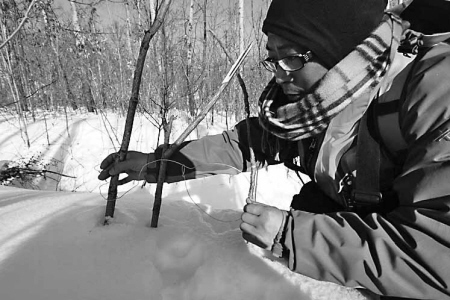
column 403, row 251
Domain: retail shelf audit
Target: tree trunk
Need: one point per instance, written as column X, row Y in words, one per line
column 112, row 191
column 87, row 92
column 21, row 73
column 241, row 26
column 79, row 38
column 80, row 41
column 70, row 98
column 204, row 82
column 189, row 39
column 19, row 84
column 130, row 49
column 174, row 147
column 14, row 91
column 152, row 11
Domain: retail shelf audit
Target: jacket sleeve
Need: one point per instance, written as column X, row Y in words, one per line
column 226, row 153
column 404, row 253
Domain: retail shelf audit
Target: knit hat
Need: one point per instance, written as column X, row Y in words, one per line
column 428, row 16
column 331, row 29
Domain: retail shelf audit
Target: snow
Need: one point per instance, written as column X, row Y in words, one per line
column 53, row 245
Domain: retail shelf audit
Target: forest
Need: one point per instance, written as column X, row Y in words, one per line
column 77, row 61
column 56, row 59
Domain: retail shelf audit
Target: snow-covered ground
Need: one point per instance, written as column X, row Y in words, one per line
column 53, row 245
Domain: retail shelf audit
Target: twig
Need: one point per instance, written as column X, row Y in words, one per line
column 173, row 147
column 57, row 173
column 40, row 88
column 162, row 174
column 112, row 191
column 20, row 25
column 8, row 104
column 253, row 168
column 27, row 171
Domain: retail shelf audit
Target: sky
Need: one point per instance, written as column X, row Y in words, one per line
column 53, row 245
column 114, row 9
column 107, row 10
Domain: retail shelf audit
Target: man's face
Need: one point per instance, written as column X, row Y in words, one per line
column 298, row 82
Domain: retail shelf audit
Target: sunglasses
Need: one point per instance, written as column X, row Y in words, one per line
column 289, row 63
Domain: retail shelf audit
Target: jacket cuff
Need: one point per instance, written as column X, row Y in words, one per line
column 157, row 157
column 277, row 247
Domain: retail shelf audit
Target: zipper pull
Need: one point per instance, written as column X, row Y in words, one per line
column 312, row 146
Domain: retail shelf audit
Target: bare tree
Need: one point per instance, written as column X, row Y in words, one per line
column 190, row 35
column 168, row 151
column 7, row 39
column 112, row 191
column 128, row 21
column 83, row 53
column 93, row 67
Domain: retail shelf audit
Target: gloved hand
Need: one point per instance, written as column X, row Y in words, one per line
column 261, row 224
column 138, row 166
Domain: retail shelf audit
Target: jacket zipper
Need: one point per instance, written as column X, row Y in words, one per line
column 311, row 150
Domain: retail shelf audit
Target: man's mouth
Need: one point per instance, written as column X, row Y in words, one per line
column 294, row 96
column 292, row 90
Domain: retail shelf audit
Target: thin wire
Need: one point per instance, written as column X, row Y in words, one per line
column 186, row 167
column 117, row 198
column 199, row 207
column 183, row 172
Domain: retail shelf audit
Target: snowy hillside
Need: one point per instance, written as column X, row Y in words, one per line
column 53, row 246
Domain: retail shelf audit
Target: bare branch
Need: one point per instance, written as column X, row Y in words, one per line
column 112, row 191
column 253, row 168
column 20, row 25
column 170, row 150
column 40, row 88
column 94, row 3
column 8, row 104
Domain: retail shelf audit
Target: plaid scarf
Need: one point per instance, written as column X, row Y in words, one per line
column 354, row 77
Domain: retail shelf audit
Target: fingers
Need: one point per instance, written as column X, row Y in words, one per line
column 250, row 222
column 255, row 208
column 126, row 166
column 110, row 159
column 106, row 165
column 250, row 235
column 133, row 165
column 249, row 218
column 248, row 230
column 261, row 223
column 109, row 171
column 125, row 180
column 104, row 174
column 111, row 168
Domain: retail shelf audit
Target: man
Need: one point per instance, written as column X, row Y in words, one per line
column 356, row 112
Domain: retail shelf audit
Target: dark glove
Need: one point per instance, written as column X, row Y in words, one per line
column 138, row 166
column 313, row 199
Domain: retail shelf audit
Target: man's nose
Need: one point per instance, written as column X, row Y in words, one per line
column 282, row 76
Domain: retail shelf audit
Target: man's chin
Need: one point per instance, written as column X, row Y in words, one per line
column 294, row 98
